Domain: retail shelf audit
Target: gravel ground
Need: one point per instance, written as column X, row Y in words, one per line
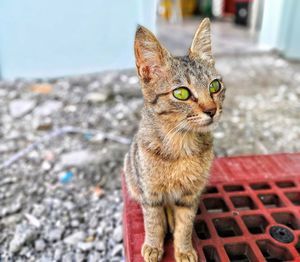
column 61, row 199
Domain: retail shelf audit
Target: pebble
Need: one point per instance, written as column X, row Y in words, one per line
column 55, row 234
column 96, row 97
column 78, row 158
column 38, row 210
column 93, row 222
column 79, row 257
column 58, row 254
column 48, row 108
column 85, row 246
column 75, row 223
column 68, row 257
column 117, row 250
column 118, row 234
column 42, row 124
column 46, row 258
column 100, row 245
column 75, row 238
column 101, row 229
column 46, row 166
column 24, row 234
column 20, row 107
column 39, row 245
column 94, row 257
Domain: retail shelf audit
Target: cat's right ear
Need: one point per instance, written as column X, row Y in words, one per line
column 201, row 45
column 151, row 58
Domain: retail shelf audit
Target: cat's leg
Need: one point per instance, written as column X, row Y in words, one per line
column 155, row 230
column 184, row 214
column 170, row 218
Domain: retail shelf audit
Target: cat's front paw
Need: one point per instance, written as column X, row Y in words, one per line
column 151, row 254
column 190, row 256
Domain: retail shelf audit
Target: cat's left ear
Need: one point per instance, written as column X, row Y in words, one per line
column 201, row 45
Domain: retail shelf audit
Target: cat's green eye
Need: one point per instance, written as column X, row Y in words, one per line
column 181, row 93
column 214, row 86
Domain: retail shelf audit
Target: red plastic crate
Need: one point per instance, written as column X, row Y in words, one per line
column 250, row 211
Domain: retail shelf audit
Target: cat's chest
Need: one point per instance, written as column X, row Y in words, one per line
column 187, row 174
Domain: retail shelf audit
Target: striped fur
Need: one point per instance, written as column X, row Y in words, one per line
column 168, row 163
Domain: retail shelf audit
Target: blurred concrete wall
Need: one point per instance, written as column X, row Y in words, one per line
column 281, row 27
column 57, row 38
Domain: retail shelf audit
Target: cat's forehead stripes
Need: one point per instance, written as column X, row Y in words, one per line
column 192, row 73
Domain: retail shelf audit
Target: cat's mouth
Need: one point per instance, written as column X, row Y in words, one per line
column 208, row 123
column 201, row 125
column 196, row 120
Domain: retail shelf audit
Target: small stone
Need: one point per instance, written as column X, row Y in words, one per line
column 94, row 257
column 75, row 223
column 118, row 234
column 69, row 205
column 93, row 222
column 79, row 257
column 68, row 257
column 39, row 245
column 219, row 135
column 24, row 234
column 85, row 246
column 20, row 107
column 70, row 109
column 99, row 138
column 117, row 250
column 90, row 238
column 38, row 210
column 12, row 209
column 78, row 158
column 46, row 258
column 133, row 80
column 96, row 97
column 49, row 156
column 100, row 229
column 75, row 238
column 58, row 254
column 100, row 246
column 116, row 259
column 43, row 124
column 48, row 108
column 97, row 191
column 46, row 166
column 33, row 220
column 55, row 234
column 25, row 251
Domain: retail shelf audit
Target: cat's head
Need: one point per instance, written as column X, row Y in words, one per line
column 186, row 92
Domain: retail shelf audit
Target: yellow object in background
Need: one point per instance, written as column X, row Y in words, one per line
column 188, row 7
column 167, row 7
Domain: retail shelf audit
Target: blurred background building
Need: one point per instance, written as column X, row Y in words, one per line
column 58, row 38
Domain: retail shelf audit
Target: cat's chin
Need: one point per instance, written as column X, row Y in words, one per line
column 204, row 128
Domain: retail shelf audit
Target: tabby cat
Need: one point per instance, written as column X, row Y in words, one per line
column 169, row 160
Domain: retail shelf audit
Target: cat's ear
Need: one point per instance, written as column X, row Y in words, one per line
column 201, row 45
column 151, row 58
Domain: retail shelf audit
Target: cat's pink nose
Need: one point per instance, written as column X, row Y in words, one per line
column 210, row 111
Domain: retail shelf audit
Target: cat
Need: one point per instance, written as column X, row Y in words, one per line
column 168, row 163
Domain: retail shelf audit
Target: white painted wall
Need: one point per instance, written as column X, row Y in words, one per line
column 57, row 38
